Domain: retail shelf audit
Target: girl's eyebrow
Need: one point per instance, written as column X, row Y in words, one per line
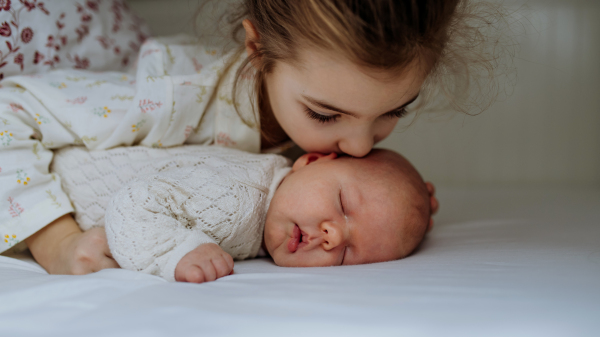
column 328, row 106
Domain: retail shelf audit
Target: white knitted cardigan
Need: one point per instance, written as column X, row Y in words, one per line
column 173, row 201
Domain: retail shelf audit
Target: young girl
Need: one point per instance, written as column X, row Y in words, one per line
column 329, row 75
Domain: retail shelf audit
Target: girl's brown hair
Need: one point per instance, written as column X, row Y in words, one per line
column 458, row 44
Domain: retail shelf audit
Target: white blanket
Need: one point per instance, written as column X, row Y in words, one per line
column 498, row 263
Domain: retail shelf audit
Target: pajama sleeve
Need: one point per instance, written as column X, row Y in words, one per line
column 178, row 92
column 31, row 197
column 148, row 228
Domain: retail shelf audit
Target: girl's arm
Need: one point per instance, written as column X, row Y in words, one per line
column 62, row 248
column 33, row 206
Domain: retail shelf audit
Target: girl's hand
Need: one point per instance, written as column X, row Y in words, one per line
column 62, row 248
column 206, row 262
column 86, row 253
column 433, row 203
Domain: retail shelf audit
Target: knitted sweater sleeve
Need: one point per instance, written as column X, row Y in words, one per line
column 147, row 227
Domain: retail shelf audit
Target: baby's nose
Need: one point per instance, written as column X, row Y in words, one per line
column 332, row 235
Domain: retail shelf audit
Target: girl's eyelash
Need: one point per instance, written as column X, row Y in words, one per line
column 320, row 118
column 397, row 113
column 325, row 119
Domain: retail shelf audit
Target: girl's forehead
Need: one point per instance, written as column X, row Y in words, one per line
column 342, row 84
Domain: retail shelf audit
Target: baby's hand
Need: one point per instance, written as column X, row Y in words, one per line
column 206, row 262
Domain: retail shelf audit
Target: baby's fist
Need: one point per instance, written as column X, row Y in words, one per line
column 206, row 262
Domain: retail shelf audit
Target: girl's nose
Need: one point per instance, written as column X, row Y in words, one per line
column 332, row 235
column 357, row 145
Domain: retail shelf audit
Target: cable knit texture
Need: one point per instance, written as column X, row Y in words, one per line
column 173, row 201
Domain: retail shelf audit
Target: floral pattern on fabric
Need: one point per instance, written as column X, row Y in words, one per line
column 14, row 208
column 11, row 240
column 38, row 36
column 165, row 105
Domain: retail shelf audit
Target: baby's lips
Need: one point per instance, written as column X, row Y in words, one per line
column 294, row 240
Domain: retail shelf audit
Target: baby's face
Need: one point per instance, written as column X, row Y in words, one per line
column 331, row 211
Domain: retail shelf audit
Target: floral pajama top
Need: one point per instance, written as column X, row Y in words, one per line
column 165, row 100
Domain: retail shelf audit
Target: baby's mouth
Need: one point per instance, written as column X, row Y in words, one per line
column 295, row 239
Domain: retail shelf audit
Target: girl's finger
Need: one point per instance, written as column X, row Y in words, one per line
column 108, row 262
column 107, row 251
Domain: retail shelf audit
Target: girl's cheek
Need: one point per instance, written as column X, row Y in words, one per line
column 317, row 142
column 385, row 129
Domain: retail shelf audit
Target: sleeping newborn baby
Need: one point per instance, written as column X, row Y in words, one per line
column 199, row 210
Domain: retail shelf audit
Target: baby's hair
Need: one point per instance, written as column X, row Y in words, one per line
column 461, row 45
column 393, row 164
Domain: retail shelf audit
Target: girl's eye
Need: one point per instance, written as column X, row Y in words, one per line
column 396, row 113
column 320, row 118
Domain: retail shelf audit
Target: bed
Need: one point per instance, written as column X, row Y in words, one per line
column 500, row 262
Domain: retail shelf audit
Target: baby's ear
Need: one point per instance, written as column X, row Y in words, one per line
column 310, row 158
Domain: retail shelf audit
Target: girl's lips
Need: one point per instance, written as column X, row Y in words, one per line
column 294, row 240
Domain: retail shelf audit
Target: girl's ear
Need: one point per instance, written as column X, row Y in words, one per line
column 252, row 41
column 310, row 158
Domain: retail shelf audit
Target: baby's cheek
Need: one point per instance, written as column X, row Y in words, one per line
column 272, row 235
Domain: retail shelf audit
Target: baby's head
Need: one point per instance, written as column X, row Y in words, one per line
column 342, row 210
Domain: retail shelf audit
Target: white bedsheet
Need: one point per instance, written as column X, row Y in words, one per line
column 508, row 262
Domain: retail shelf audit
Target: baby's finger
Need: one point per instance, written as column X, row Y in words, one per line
column 194, row 274
column 210, row 274
column 229, row 260
column 221, row 267
column 180, row 270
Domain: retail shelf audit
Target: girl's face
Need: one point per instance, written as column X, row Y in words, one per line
column 328, row 104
